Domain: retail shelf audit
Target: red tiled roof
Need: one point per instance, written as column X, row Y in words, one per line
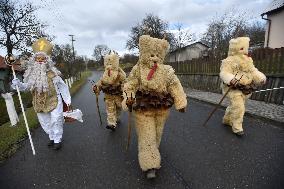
column 17, row 65
column 2, row 63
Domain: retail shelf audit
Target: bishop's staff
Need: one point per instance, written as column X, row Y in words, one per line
column 10, row 60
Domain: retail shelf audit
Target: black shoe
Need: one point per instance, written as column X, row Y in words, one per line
column 57, row 146
column 240, row 133
column 111, row 127
column 50, row 143
column 151, row 174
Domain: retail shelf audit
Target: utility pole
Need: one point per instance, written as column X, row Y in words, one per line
column 73, row 62
column 72, row 43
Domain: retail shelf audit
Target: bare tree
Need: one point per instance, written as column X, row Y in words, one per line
column 256, row 32
column 100, row 51
column 221, row 29
column 18, row 25
column 129, row 58
column 182, row 37
column 151, row 25
column 63, row 56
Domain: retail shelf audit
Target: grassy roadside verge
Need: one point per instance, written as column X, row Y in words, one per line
column 11, row 137
column 78, row 84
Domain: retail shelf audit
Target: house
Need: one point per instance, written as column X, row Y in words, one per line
column 189, row 52
column 5, row 75
column 274, row 35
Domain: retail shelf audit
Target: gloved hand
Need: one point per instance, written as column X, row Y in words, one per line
column 263, row 82
column 182, row 110
column 22, row 86
column 16, row 81
column 96, row 89
column 233, row 82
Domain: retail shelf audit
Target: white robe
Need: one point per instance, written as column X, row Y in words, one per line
column 52, row 122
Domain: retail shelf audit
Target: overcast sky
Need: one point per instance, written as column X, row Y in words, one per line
column 109, row 21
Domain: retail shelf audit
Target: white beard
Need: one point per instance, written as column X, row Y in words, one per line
column 36, row 78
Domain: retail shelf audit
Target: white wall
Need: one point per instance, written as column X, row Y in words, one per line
column 276, row 37
column 188, row 53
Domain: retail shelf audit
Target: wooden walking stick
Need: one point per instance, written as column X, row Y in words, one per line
column 97, row 101
column 129, row 103
column 217, row 106
column 9, row 59
column 98, row 106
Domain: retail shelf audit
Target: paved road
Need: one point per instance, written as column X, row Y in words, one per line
column 192, row 156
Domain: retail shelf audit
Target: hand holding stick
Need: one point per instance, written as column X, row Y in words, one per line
column 129, row 102
column 97, row 101
column 96, row 90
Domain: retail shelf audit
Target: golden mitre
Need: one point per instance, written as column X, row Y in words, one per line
column 42, row 45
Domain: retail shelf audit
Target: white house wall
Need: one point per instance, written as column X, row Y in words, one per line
column 276, row 37
column 187, row 53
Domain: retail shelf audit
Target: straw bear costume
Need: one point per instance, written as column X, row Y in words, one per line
column 155, row 88
column 238, row 65
column 111, row 84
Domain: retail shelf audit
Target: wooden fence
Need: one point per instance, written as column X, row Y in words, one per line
column 203, row 74
column 269, row 61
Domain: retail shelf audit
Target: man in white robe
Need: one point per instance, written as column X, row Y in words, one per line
column 48, row 90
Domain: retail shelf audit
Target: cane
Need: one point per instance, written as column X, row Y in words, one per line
column 9, row 59
column 129, row 119
column 217, row 106
column 98, row 106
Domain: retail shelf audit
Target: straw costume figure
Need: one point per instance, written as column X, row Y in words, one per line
column 111, row 84
column 155, row 88
column 238, row 65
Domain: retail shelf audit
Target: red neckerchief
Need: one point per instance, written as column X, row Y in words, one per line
column 152, row 71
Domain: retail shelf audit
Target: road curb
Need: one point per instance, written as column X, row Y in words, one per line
column 248, row 113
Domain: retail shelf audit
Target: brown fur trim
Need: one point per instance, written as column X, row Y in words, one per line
column 111, row 89
column 146, row 100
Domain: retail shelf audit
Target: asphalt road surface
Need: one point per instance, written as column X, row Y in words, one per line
column 192, row 156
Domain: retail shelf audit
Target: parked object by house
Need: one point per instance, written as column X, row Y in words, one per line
column 5, row 89
column 189, row 52
column 12, row 113
column 274, row 37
